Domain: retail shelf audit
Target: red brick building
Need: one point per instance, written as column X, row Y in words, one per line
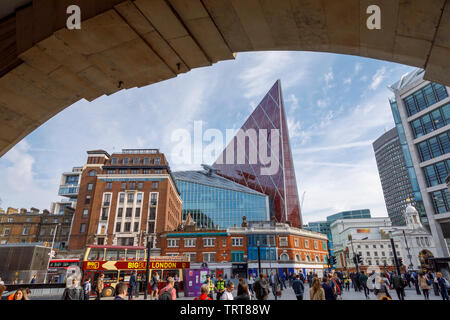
column 125, row 197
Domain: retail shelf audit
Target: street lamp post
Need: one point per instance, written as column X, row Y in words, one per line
column 395, row 256
column 353, row 251
column 147, row 268
column 259, row 257
column 411, row 266
column 51, row 252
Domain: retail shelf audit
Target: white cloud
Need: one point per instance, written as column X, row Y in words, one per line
column 377, row 78
column 357, row 68
column 348, row 81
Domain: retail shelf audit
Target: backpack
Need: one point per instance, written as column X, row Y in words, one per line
column 167, row 295
column 260, row 290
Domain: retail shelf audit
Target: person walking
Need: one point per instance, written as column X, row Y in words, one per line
column 99, row 286
column 168, row 292
column 33, row 280
column 424, row 284
column 220, row 287
column 337, row 285
column 275, row 284
column 416, row 282
column 204, row 291
column 177, row 284
column 310, row 279
column 73, row 292
column 132, row 285
column 121, row 291
column 251, row 281
column 399, row 286
column 328, row 290
column 261, row 288
column 154, row 283
column 228, row 293
column 298, row 287
column 283, row 281
column 363, row 282
column 242, row 292
column 381, row 287
column 87, row 289
column 316, row 291
column 443, row 286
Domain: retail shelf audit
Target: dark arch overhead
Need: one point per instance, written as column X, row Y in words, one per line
column 45, row 67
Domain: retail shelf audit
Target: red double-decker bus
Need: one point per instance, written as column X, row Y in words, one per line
column 118, row 262
column 57, row 268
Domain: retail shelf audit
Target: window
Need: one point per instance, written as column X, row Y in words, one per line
column 146, row 161
column 109, row 185
column 237, row 242
column 107, row 199
column 296, row 242
column 157, row 161
column 284, row 257
column 139, row 198
column 152, row 214
column 137, row 212
column 173, row 243
column 317, row 259
column 283, row 241
column 297, row 258
column 368, row 253
column 208, row 257
column 121, row 197
column 126, row 160
column 136, row 227
column 130, row 198
column 209, row 242
column 118, row 225
column 89, row 186
column 119, row 212
column 308, row 258
column 6, row 232
column 146, row 171
column 224, row 242
column 114, row 160
column 123, row 171
column 92, row 173
column 82, row 228
column 376, row 254
column 134, row 171
column 140, row 185
column 189, row 243
column 374, row 246
column 127, row 227
column 306, row 244
column 128, row 213
column 104, row 216
column 154, row 185
column 132, row 185
column 87, row 200
column 190, row 256
column 316, row 246
column 136, row 160
column 151, row 227
column 123, row 185
column 153, row 199
column 158, row 171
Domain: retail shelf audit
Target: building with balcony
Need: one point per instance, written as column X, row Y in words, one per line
column 421, row 111
column 124, row 198
column 68, row 189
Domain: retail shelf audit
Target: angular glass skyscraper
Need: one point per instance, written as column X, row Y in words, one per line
column 268, row 121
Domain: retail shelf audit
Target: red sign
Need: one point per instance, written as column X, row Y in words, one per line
column 134, row 265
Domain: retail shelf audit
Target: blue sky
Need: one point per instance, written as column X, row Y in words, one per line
column 336, row 105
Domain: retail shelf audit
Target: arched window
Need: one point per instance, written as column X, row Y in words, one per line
column 92, row 173
column 297, row 257
column 284, row 257
column 317, row 259
column 308, row 258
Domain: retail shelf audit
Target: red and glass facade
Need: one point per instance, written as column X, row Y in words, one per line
column 281, row 186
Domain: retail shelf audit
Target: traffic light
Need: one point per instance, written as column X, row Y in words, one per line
column 359, row 258
column 333, row 260
column 400, row 261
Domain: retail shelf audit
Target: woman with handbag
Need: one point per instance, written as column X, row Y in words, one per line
column 424, row 284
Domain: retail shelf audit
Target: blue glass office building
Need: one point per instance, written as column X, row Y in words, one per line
column 213, row 201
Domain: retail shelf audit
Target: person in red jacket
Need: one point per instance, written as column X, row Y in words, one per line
column 204, row 290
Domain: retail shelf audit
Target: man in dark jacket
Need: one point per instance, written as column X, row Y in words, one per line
column 73, row 292
column 298, row 287
column 132, row 285
column 275, row 283
column 363, row 281
column 329, row 292
column 121, row 291
column 399, row 286
column 261, row 288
